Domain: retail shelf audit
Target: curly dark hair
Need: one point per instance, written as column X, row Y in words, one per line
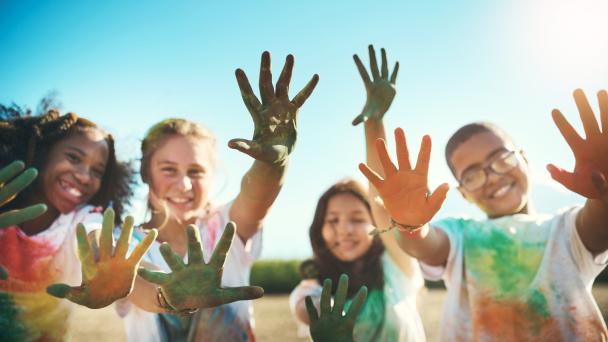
column 29, row 138
column 366, row 270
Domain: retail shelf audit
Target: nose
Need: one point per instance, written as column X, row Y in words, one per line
column 492, row 177
column 184, row 184
column 344, row 227
column 83, row 175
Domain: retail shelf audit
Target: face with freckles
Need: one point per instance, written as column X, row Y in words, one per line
column 180, row 176
column 74, row 169
column 346, row 226
column 502, row 193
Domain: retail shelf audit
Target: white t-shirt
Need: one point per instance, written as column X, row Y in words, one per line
column 387, row 315
column 35, row 262
column 233, row 322
column 519, row 278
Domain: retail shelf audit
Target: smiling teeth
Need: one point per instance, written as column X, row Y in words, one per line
column 501, row 191
column 180, row 200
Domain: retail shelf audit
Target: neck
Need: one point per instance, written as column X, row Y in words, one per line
column 42, row 222
column 527, row 209
column 170, row 231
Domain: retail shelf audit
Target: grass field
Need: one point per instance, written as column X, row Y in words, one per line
column 273, row 319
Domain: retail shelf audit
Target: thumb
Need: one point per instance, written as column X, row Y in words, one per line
column 561, row 176
column 248, row 147
column 233, row 294
column 359, row 119
column 73, row 294
column 438, row 196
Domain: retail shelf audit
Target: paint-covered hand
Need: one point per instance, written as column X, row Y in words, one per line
column 380, row 91
column 590, row 174
column 404, row 191
column 197, row 284
column 111, row 277
column 12, row 180
column 275, row 117
column 332, row 324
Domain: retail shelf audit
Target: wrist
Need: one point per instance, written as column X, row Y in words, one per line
column 406, row 228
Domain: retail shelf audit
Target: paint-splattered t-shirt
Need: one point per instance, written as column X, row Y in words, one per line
column 388, row 315
column 34, row 262
column 230, row 322
column 519, row 278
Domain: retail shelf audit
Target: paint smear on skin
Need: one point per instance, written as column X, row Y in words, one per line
column 31, row 268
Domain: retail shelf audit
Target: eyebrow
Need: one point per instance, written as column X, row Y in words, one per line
column 83, row 154
column 488, row 157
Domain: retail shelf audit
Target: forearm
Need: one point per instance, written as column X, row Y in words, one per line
column 592, row 226
column 144, row 295
column 260, row 187
column 429, row 245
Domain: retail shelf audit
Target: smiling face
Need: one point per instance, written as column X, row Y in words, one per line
column 74, row 169
column 502, row 194
column 180, row 176
column 346, row 226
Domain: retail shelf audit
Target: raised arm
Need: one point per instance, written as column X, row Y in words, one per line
column 590, row 170
column 408, row 202
column 274, row 138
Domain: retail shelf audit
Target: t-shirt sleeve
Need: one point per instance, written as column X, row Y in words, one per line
column 453, row 228
column 589, row 266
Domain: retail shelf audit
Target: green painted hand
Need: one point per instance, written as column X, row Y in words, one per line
column 3, row 274
column 404, row 191
column 381, row 91
column 112, row 276
column 591, row 160
column 10, row 186
column 198, row 285
column 332, row 325
column 275, row 118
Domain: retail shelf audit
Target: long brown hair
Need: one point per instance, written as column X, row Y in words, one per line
column 366, row 270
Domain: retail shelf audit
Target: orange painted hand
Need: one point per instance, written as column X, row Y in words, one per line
column 112, row 276
column 404, row 190
column 591, row 154
column 275, row 118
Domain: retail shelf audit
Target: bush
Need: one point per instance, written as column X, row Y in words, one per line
column 276, row 276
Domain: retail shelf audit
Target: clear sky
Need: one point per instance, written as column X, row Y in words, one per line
column 128, row 64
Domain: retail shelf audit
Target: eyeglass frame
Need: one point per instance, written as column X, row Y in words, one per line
column 488, row 168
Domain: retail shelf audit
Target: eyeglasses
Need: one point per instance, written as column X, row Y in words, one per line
column 477, row 177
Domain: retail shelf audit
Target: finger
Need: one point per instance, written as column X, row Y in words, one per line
column 359, row 119
column 251, row 101
column 357, row 303
column 122, row 245
column 10, row 190
column 3, row 273
column 249, row 147
column 195, row 250
column 394, row 74
column 73, row 294
column 371, row 175
column 173, row 260
column 155, row 277
column 403, row 154
column 424, row 156
column 602, row 98
column 584, row 109
column 304, row 94
column 384, row 67
column 143, row 246
column 387, row 164
column 18, row 216
column 233, row 294
column 601, row 185
column 436, row 199
column 11, row 170
column 326, row 297
column 362, row 71
column 372, row 63
column 266, row 88
column 562, row 176
column 313, row 315
column 568, row 132
column 341, row 293
column 221, row 250
column 106, row 241
column 85, row 254
column 285, row 78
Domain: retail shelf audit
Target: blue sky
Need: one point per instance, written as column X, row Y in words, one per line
column 128, row 64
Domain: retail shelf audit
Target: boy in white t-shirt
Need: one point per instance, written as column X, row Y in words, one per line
column 516, row 275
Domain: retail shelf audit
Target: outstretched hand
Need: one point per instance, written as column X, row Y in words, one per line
column 197, row 284
column 380, row 90
column 404, row 191
column 332, row 324
column 590, row 174
column 275, row 117
column 12, row 181
column 112, row 276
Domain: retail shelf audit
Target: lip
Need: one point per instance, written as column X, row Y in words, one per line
column 180, row 202
column 501, row 191
column 70, row 192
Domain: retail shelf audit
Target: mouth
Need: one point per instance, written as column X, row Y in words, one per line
column 72, row 191
column 347, row 245
column 180, row 201
column 502, row 191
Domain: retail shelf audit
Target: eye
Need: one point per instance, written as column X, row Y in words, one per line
column 72, row 158
column 196, row 173
column 332, row 221
column 168, row 170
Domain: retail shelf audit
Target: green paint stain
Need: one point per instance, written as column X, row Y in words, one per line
column 538, row 302
column 11, row 328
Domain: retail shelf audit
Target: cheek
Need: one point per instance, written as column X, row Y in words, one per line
column 328, row 235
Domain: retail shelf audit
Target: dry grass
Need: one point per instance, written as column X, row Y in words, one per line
column 273, row 319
